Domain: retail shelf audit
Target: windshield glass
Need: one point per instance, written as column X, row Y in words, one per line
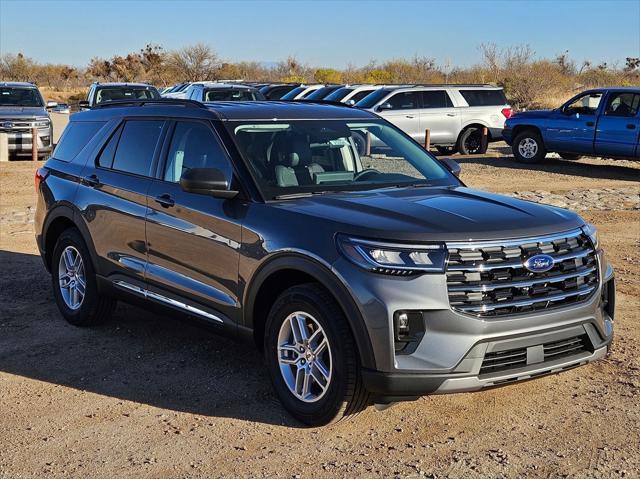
column 317, row 156
column 339, row 94
column 293, row 93
column 321, row 93
column 125, row 93
column 13, row 96
column 230, row 94
column 371, row 99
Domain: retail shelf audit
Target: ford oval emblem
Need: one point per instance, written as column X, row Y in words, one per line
column 8, row 125
column 539, row 263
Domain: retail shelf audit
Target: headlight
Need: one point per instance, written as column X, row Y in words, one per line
column 591, row 231
column 42, row 122
column 393, row 258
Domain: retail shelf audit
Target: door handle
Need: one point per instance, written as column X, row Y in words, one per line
column 91, row 180
column 165, row 201
column 590, row 123
column 409, row 116
column 631, row 126
column 451, row 114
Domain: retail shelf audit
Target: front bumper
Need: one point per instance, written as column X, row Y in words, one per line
column 450, row 357
column 20, row 142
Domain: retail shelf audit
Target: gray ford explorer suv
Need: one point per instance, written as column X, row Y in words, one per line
column 364, row 278
column 22, row 109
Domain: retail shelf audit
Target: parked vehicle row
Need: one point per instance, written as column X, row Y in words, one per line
column 362, row 278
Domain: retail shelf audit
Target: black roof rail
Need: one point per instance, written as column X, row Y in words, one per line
column 157, row 101
column 320, row 102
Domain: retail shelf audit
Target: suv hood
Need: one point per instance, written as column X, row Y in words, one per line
column 434, row 214
column 22, row 111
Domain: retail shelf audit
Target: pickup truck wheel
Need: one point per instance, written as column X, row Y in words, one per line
column 569, row 156
column 312, row 358
column 528, row 147
column 74, row 282
column 470, row 142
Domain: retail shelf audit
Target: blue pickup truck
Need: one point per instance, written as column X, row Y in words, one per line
column 600, row 122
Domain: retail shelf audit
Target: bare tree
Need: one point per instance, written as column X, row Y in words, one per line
column 195, row 62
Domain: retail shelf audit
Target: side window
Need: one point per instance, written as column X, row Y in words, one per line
column 360, row 95
column 623, row 104
column 105, row 160
column 584, row 105
column 405, row 101
column 138, row 140
column 194, row 146
column 436, row 99
column 75, row 137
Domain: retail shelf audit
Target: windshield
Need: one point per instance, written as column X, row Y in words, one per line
column 230, row 94
column 371, row 99
column 339, row 94
column 318, row 156
column 13, row 96
column 321, row 93
column 125, row 93
column 294, row 93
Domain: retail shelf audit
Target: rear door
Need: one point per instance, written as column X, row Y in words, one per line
column 405, row 113
column 194, row 240
column 439, row 116
column 619, row 125
column 573, row 129
column 113, row 197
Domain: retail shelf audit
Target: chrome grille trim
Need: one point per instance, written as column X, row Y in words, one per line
column 489, row 278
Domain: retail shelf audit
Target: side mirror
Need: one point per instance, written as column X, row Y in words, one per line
column 83, row 104
column 52, row 104
column 385, row 106
column 452, row 165
column 206, row 181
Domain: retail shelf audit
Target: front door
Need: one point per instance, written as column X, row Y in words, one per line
column 403, row 110
column 193, row 240
column 619, row 127
column 439, row 116
column 573, row 129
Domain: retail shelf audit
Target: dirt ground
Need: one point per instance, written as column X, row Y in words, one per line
column 146, row 396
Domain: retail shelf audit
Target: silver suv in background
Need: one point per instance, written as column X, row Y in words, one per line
column 22, row 109
column 212, row 91
column 454, row 114
column 104, row 92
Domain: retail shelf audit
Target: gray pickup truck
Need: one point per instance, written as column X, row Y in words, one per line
column 22, row 109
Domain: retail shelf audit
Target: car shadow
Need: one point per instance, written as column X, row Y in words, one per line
column 559, row 166
column 137, row 356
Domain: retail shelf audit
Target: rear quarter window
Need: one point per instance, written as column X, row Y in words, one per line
column 484, row 97
column 74, row 139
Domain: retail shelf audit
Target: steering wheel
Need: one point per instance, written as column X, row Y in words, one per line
column 365, row 173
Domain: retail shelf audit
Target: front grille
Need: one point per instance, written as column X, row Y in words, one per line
column 500, row 361
column 20, row 124
column 489, row 279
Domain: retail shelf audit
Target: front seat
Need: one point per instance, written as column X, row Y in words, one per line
column 292, row 156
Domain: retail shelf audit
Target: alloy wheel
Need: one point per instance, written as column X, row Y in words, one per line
column 71, row 277
column 528, row 148
column 304, row 357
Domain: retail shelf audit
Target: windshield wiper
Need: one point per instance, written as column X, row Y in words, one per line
column 300, row 194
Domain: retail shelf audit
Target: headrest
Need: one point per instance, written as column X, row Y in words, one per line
column 292, row 150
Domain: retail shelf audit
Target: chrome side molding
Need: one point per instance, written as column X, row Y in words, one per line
column 166, row 300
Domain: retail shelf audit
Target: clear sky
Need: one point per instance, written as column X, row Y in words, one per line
column 322, row 32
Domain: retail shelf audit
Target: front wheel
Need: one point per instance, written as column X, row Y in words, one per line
column 311, row 357
column 528, row 147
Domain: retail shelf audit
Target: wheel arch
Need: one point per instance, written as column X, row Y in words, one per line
column 288, row 269
column 473, row 124
column 522, row 128
column 58, row 220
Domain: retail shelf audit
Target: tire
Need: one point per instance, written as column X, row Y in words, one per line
column 446, row 150
column 91, row 308
column 360, row 141
column 470, row 142
column 343, row 394
column 570, row 156
column 528, row 147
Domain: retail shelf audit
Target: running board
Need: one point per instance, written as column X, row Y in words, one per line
column 166, row 300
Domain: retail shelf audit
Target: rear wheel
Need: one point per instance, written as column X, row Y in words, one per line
column 312, row 357
column 74, row 282
column 470, row 142
column 528, row 147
